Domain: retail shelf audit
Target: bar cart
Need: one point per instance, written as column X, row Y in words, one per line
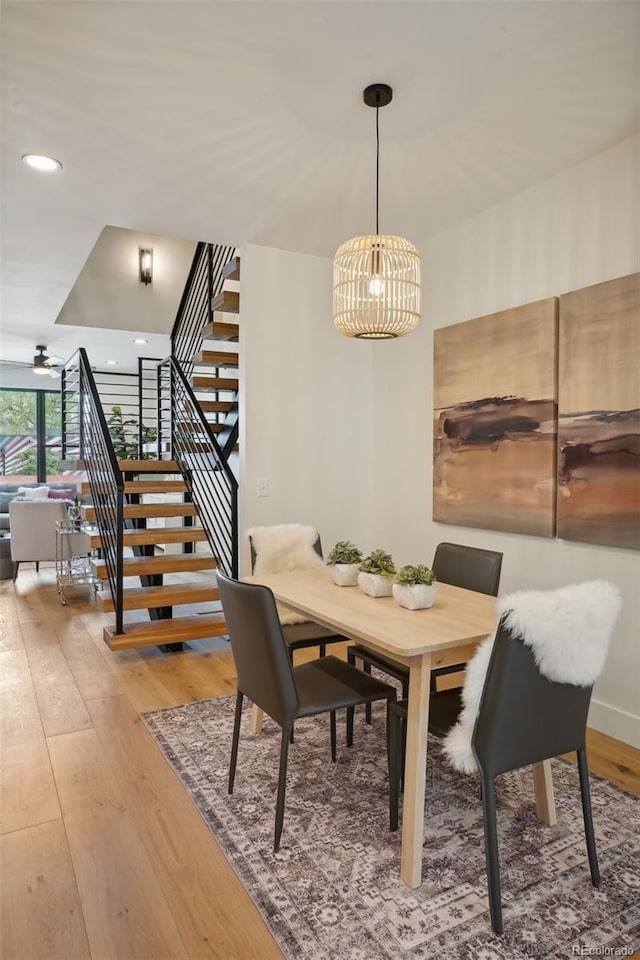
column 73, row 561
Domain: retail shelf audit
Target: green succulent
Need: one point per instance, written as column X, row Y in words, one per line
column 380, row 562
column 344, row 552
column 409, row 575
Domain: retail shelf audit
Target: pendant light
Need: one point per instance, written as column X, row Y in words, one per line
column 376, row 278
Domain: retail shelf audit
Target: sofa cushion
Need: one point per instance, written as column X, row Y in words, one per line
column 5, row 500
column 33, row 493
column 64, row 493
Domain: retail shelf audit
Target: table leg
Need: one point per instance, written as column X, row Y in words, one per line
column 256, row 719
column 543, row 786
column 415, row 771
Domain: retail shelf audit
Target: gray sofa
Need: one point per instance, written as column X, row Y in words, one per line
column 9, row 491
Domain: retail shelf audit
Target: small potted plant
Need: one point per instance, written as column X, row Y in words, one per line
column 344, row 560
column 376, row 574
column 415, row 587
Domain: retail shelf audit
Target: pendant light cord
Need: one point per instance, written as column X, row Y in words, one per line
column 377, row 160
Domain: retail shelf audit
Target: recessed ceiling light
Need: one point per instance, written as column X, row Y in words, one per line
column 112, row 363
column 141, row 341
column 39, row 162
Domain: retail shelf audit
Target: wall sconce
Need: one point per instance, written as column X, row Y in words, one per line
column 146, row 265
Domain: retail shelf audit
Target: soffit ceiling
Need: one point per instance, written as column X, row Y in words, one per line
column 243, row 122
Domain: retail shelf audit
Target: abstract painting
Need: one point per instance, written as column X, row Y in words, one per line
column 495, row 410
column 599, row 414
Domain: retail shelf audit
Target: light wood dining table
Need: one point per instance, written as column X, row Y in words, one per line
column 445, row 634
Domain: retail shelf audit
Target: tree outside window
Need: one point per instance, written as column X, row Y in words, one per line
column 19, row 439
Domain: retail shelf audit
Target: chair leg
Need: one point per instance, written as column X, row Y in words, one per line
column 350, row 715
column 394, row 746
column 588, row 819
column 235, row 739
column 491, row 852
column 323, row 649
column 16, row 564
column 282, row 783
column 37, row 566
column 367, row 707
column 332, row 725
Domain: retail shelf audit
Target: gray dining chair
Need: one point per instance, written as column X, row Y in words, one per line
column 523, row 716
column 268, row 678
column 471, row 568
column 304, row 634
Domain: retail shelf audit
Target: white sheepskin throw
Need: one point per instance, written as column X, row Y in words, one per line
column 283, row 548
column 568, row 630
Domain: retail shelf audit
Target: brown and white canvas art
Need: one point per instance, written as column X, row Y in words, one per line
column 495, row 410
column 599, row 414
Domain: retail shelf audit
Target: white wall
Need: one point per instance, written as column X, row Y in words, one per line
column 577, row 228
column 305, row 402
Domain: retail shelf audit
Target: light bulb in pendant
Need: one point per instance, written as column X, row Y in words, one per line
column 376, row 285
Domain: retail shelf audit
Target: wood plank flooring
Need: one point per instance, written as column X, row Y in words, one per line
column 108, row 857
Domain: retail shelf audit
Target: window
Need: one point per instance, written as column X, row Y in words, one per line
column 30, row 435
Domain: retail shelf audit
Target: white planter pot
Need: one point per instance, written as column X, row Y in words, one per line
column 344, row 574
column 415, row 597
column 374, row 585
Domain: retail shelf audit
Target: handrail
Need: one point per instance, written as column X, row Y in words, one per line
column 195, row 310
column 80, row 396
column 211, row 482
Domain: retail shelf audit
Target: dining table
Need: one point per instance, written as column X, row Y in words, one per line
column 444, row 634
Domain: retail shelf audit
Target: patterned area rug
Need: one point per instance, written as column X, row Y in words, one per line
column 333, row 891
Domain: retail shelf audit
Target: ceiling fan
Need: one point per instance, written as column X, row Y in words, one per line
column 42, row 364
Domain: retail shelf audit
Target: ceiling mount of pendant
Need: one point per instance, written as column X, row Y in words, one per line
column 377, row 95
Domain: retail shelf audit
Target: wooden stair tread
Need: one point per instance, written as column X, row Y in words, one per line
column 215, row 406
column 134, row 510
column 227, row 301
column 220, row 331
column 166, row 595
column 137, row 538
column 155, row 632
column 231, row 270
column 149, row 566
column 147, row 486
column 203, row 382
column 148, row 466
column 195, row 426
column 155, row 486
column 216, row 358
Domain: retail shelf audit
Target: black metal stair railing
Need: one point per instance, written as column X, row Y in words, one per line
column 210, row 481
column 196, row 306
column 85, row 432
column 129, row 401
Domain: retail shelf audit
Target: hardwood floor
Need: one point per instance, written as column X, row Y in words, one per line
column 107, row 857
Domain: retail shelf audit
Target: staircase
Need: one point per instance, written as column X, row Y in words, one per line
column 214, row 386
column 139, row 523
column 145, row 559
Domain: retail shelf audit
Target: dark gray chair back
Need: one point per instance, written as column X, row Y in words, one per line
column 265, row 674
column 524, row 717
column 468, row 567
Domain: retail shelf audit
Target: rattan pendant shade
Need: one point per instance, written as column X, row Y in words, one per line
column 376, row 287
column 376, row 278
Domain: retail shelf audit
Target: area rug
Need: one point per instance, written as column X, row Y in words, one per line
column 333, row 891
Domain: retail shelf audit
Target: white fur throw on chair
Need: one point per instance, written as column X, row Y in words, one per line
column 283, row 548
column 568, row 630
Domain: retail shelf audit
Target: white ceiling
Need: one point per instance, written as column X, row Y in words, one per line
column 243, row 121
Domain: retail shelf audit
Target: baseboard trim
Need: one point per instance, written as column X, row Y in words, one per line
column 615, row 723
